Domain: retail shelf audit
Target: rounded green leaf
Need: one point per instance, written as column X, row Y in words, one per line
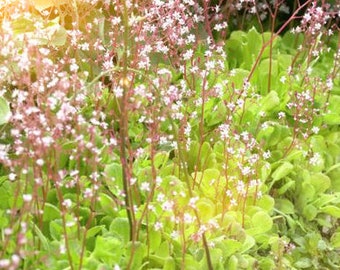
column 261, row 222
column 266, row 203
column 169, row 264
column 331, row 210
column 206, row 209
column 303, row 263
column 335, row 240
column 155, row 239
column 270, row 101
column 51, row 212
column 5, row 112
column 285, row 206
column 94, row 231
column 282, row 171
column 249, row 242
column 310, row 212
column 107, row 204
column 59, row 37
column 120, row 227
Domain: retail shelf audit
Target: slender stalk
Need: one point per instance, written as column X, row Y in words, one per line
column 271, row 48
column 273, row 37
column 124, row 124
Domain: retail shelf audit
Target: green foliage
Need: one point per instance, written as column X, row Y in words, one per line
column 5, row 112
column 245, row 178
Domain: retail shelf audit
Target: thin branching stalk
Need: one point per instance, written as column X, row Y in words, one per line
column 124, row 124
column 274, row 36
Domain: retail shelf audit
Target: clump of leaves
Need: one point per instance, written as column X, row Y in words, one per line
column 174, row 151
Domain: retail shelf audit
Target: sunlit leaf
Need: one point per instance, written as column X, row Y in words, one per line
column 44, row 4
column 120, row 226
column 335, row 240
column 282, row 171
column 5, row 112
column 51, row 212
column 261, row 223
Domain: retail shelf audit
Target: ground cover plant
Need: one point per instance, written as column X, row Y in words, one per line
column 169, row 135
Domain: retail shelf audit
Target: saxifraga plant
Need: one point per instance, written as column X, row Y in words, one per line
column 133, row 113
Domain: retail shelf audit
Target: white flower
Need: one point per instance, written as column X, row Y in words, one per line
column 40, row 162
column 158, row 226
column 167, row 205
column 315, row 130
column 283, row 79
column 27, row 197
column 145, row 186
column 315, row 159
column 188, row 54
column 266, row 154
column 67, row 203
column 281, row 115
column 12, row 176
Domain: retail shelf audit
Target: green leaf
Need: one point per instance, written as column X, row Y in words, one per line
column 206, row 209
column 321, row 182
column 155, row 238
column 51, row 212
column 331, row 210
column 310, row 212
column 217, row 116
column 190, row 262
column 56, row 229
column 265, row 171
column 3, row 220
column 262, row 74
column 335, row 240
column 334, row 102
column 261, row 223
column 169, row 264
column 208, row 181
column 284, row 60
column 304, row 195
column 107, row 204
column 266, row 202
column 114, row 172
column 45, row 4
column 5, row 112
column 59, row 37
column 303, row 263
column 121, row 228
column 22, row 25
column 282, row 171
column 94, row 231
column 232, row 263
column 264, row 134
column 239, row 77
column 108, row 250
column 289, row 185
column 285, row 206
column 41, row 236
column 270, row 101
column 160, row 159
column 248, row 243
column 331, row 119
column 235, row 47
column 5, row 192
column 267, row 264
column 254, row 44
column 318, row 144
column 216, row 256
column 139, row 253
column 156, row 260
column 163, row 250
column 229, row 246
